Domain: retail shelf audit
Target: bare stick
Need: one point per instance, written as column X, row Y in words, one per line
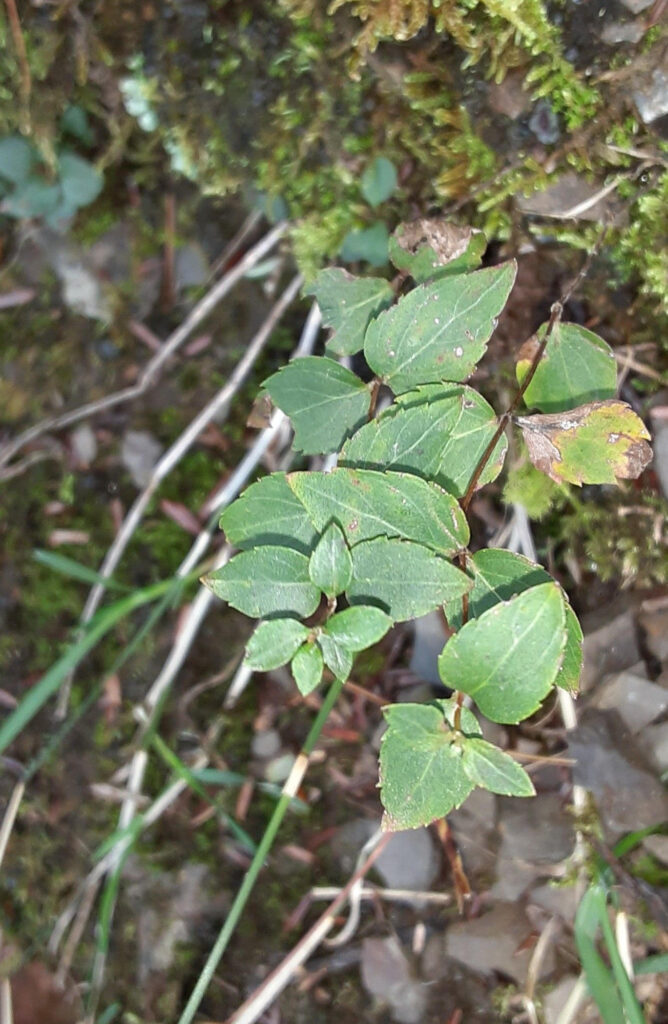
column 172, row 457
column 10, row 817
column 152, row 369
column 373, row 892
column 6, row 1010
column 279, row 978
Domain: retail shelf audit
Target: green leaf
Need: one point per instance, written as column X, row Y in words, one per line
column 80, row 182
column 491, row 768
column 404, row 578
column 33, row 198
column 576, row 367
column 368, row 504
column 369, row 245
column 438, row 331
column 268, row 512
column 509, row 657
column 75, row 123
column 274, row 643
column 499, row 575
column 17, row 158
column 422, row 776
column 593, row 444
column 379, row 181
column 568, row 677
column 337, row 657
column 437, row 432
column 359, row 627
column 429, row 250
column 330, row 566
column 266, row 581
column 75, row 570
column 347, row 304
column 307, row 667
column 600, row 981
column 325, row 401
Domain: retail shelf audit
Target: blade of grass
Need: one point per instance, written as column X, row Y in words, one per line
column 179, row 768
column 600, row 981
column 75, row 570
column 257, row 863
column 48, row 685
column 656, row 964
column 632, row 1007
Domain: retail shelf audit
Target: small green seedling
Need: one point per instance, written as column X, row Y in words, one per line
column 329, row 561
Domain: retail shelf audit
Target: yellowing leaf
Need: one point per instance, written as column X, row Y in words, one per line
column 596, row 443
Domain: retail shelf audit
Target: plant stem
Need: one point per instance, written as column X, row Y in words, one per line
column 263, row 849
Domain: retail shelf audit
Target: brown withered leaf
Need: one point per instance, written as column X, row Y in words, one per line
column 596, row 443
column 428, row 249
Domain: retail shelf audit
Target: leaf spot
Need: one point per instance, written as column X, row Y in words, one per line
column 459, row 351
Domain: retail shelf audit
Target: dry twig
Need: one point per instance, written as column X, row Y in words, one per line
column 152, row 369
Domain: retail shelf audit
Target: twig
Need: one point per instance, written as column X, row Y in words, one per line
column 22, row 55
column 576, row 998
column 233, row 246
column 374, row 892
column 350, row 927
column 10, row 817
column 6, row 1010
column 172, row 456
column 279, row 978
column 152, row 369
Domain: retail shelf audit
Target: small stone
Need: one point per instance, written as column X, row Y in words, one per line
column 569, row 192
column 555, row 1000
column 544, row 123
column 636, row 6
column 637, row 701
column 139, row 453
column 613, row 766
column 265, row 744
column 655, row 742
column 278, row 769
column 622, row 32
column 497, row 941
column 652, row 101
column 658, row 847
column 83, row 446
column 559, row 900
column 190, row 267
column 386, row 975
column 608, row 647
column 659, row 420
column 509, row 97
column 473, row 827
column 409, row 861
column 654, row 623
column 429, row 638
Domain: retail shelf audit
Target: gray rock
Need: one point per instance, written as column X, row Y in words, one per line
column 386, row 975
column 622, row 32
column 409, row 861
column 265, row 744
column 654, row 622
column 655, row 744
column 569, row 192
column 84, row 445
column 613, row 767
column 610, row 645
column 636, row 6
column 139, row 453
column 190, row 267
column 637, row 701
column 473, row 825
column 558, row 900
column 652, row 100
column 555, row 1000
column 350, row 839
column 278, row 769
column 429, row 638
column 539, row 831
column 495, row 941
column 658, row 847
column 544, row 123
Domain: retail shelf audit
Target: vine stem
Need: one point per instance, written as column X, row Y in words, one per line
column 289, row 791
